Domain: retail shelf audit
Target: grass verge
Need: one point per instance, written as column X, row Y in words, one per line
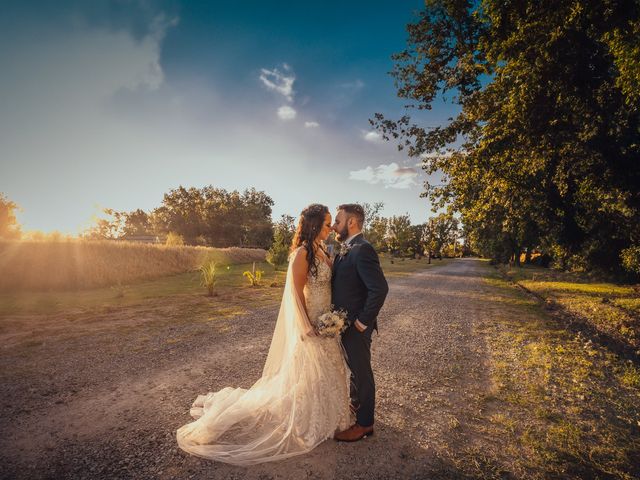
column 229, row 282
column 78, row 264
column 560, row 406
column 612, row 310
column 229, row 279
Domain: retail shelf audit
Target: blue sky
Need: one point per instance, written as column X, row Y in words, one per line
column 112, row 104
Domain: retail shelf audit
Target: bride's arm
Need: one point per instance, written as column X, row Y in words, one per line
column 299, row 270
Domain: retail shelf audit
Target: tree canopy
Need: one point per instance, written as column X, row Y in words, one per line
column 206, row 216
column 216, row 217
column 545, row 150
column 283, row 233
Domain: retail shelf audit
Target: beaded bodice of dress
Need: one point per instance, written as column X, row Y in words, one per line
column 317, row 291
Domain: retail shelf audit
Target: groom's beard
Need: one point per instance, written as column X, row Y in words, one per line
column 342, row 235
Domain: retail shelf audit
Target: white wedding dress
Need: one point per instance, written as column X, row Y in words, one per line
column 301, row 399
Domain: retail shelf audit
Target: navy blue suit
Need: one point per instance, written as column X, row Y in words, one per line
column 359, row 287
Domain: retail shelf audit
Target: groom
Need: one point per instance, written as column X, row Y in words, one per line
column 359, row 287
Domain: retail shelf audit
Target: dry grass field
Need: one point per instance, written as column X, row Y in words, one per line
column 229, row 281
column 71, row 265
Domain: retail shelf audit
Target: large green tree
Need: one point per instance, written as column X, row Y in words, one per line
column 181, row 212
column 283, row 233
column 399, row 234
column 544, row 150
column 439, row 232
column 216, row 216
column 256, row 219
column 206, row 216
column 375, row 225
column 136, row 223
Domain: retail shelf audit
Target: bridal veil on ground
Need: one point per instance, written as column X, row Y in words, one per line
column 301, row 399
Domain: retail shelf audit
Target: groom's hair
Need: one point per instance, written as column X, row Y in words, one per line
column 354, row 210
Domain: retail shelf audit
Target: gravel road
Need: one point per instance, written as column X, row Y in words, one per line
column 105, row 401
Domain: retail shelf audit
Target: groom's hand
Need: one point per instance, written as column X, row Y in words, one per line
column 361, row 327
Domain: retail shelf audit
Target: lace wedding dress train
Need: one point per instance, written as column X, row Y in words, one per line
column 301, row 399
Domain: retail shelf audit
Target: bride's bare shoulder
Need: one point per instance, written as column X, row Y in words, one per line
column 298, row 254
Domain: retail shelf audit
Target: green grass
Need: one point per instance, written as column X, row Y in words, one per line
column 631, row 304
column 591, row 289
column 567, row 408
column 229, row 278
column 611, row 308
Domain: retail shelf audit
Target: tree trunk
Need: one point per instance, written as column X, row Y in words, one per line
column 516, row 258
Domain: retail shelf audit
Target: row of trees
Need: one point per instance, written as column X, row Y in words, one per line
column 399, row 237
column 219, row 218
column 544, row 152
column 215, row 217
column 438, row 237
column 206, row 216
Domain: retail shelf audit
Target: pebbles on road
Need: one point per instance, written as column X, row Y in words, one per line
column 107, row 405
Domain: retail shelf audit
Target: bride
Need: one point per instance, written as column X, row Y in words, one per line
column 302, row 397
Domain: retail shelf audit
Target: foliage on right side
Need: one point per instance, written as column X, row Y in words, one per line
column 544, row 153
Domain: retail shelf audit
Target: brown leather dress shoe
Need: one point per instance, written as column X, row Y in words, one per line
column 354, row 433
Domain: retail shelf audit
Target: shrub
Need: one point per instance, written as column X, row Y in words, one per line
column 254, row 277
column 282, row 236
column 631, row 259
column 278, row 254
column 208, row 271
column 174, row 239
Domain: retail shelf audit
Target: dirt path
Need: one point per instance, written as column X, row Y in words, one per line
column 105, row 403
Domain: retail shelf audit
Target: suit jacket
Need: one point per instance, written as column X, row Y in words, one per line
column 358, row 284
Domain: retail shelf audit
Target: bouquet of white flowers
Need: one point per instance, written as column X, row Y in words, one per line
column 332, row 323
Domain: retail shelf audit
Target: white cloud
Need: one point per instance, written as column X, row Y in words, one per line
column 371, row 136
column 366, row 174
column 311, row 124
column 287, row 113
column 279, row 82
column 81, row 66
column 391, row 176
column 153, row 77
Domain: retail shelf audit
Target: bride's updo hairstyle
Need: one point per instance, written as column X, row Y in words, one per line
column 309, row 226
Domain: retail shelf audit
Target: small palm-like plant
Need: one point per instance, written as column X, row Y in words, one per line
column 208, row 272
column 255, row 276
